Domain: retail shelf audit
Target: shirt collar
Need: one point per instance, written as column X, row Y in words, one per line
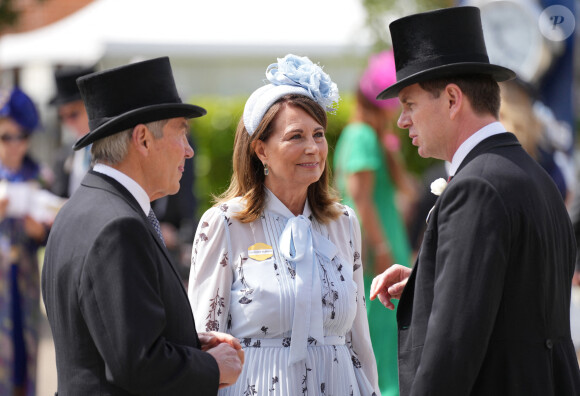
column 489, row 130
column 131, row 185
column 273, row 204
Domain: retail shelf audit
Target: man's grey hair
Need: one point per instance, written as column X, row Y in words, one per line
column 113, row 149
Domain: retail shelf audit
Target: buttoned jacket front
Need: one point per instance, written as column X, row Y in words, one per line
column 486, row 309
column 118, row 311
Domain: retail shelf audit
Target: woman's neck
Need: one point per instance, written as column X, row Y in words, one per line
column 292, row 199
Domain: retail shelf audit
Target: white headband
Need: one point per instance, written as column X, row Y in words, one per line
column 291, row 75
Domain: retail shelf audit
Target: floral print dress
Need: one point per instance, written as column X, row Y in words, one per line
column 302, row 322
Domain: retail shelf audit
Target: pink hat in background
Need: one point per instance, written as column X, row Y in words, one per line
column 379, row 74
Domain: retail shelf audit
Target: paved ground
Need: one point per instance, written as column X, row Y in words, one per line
column 46, row 381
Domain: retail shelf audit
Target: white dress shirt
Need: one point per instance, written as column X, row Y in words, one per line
column 489, row 130
column 134, row 188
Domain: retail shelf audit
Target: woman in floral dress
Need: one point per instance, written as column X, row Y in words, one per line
column 276, row 262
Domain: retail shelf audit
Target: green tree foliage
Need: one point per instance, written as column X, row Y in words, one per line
column 382, row 12
column 8, row 15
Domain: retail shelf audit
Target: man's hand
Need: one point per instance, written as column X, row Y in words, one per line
column 576, row 278
column 34, row 229
column 3, row 207
column 213, row 338
column 229, row 363
column 228, row 353
column 390, row 284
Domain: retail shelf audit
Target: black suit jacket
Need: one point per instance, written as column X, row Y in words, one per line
column 486, row 309
column 61, row 170
column 119, row 314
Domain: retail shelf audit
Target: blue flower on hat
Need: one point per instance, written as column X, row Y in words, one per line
column 301, row 72
column 18, row 106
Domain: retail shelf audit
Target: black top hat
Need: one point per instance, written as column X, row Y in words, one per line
column 441, row 43
column 66, row 84
column 120, row 98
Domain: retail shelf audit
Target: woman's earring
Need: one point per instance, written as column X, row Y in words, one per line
column 266, row 170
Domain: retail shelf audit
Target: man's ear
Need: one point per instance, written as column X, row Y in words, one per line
column 141, row 139
column 455, row 99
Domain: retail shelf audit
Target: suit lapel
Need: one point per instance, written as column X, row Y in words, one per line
column 492, row 142
column 405, row 308
column 98, row 180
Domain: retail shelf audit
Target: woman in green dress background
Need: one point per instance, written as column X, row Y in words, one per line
column 372, row 179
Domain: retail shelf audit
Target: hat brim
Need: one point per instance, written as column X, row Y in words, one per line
column 139, row 116
column 498, row 73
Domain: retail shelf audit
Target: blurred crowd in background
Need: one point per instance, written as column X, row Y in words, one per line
column 376, row 170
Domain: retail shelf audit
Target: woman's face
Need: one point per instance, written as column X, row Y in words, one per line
column 295, row 152
column 13, row 144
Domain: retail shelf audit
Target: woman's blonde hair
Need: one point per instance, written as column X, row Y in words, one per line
column 517, row 115
column 248, row 172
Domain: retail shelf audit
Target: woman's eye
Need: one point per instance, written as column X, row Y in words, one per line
column 319, row 134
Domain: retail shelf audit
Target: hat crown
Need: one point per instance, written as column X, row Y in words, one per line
column 116, row 91
column 380, row 72
column 138, row 93
column 438, row 38
column 18, row 106
column 435, row 44
column 66, row 84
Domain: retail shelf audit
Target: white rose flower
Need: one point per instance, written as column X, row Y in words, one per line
column 438, row 186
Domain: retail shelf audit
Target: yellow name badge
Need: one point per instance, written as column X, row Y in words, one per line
column 260, row 251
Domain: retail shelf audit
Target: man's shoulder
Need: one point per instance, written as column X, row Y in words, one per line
column 97, row 203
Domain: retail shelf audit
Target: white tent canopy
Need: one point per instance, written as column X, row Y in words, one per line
column 189, row 26
column 217, row 47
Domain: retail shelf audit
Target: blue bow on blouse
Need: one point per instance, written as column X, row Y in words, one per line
column 299, row 243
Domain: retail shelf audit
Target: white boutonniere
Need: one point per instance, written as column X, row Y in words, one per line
column 438, row 186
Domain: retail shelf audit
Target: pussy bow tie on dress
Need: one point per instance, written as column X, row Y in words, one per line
column 299, row 243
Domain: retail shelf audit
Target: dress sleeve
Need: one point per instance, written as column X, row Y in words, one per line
column 361, row 348
column 211, row 277
column 363, row 150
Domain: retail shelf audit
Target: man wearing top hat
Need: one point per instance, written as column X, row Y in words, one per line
column 485, row 309
column 119, row 315
column 70, row 166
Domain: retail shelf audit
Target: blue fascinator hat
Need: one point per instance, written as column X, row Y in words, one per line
column 15, row 104
column 291, row 75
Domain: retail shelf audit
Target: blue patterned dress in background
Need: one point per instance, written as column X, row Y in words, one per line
column 19, row 295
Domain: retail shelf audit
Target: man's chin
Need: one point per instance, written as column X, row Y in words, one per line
column 174, row 190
